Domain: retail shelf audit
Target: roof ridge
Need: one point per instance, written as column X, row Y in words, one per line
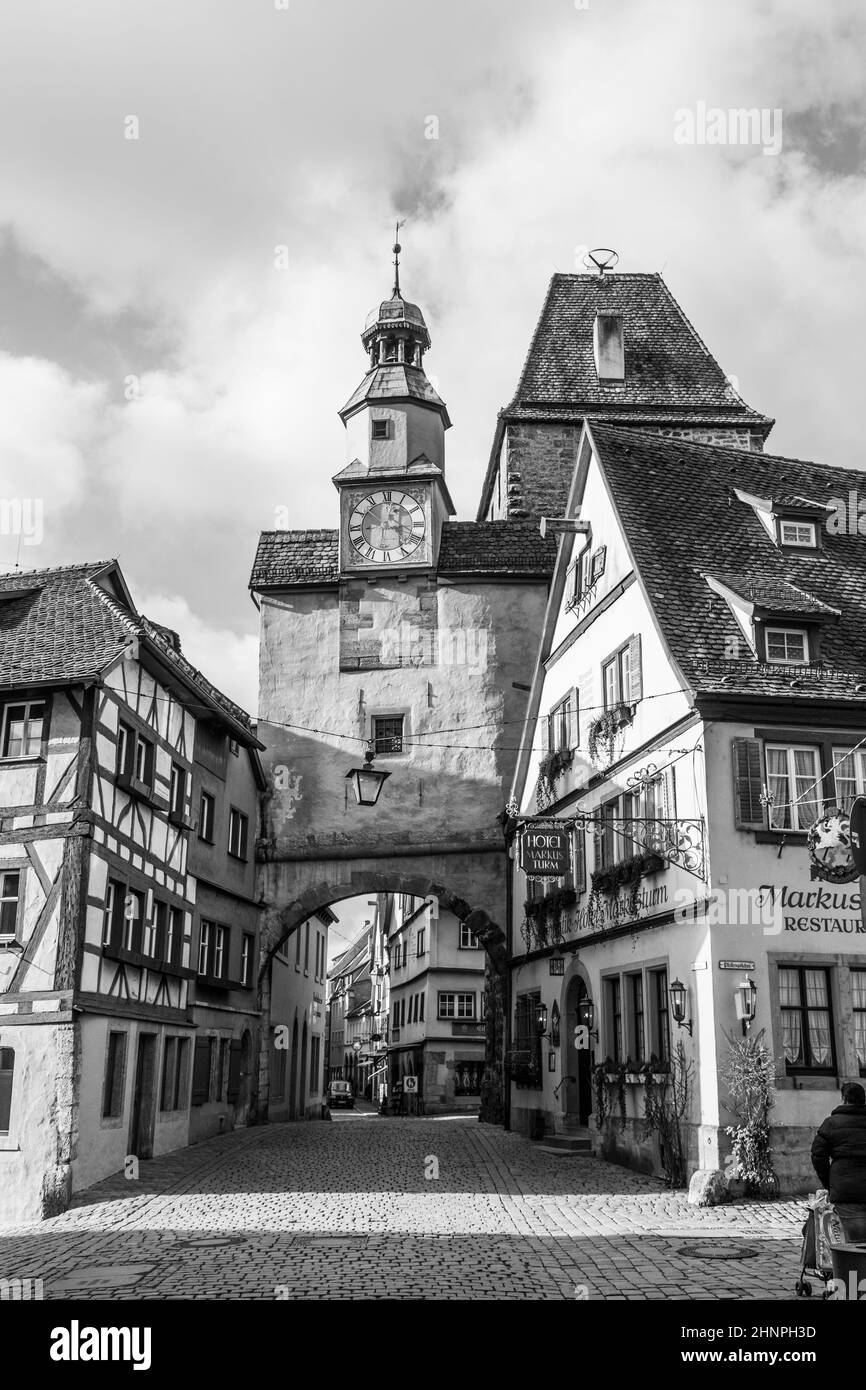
column 47, row 570
column 532, row 341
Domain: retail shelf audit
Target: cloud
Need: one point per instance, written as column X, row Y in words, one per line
column 307, row 128
column 228, row 659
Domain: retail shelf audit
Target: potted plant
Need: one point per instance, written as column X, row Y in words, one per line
column 632, row 1072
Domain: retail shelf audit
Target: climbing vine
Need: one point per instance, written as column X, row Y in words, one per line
column 667, row 1098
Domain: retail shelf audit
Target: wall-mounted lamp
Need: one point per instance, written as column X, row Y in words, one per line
column 586, row 1017
column 679, row 1003
column 745, row 998
column 541, row 1020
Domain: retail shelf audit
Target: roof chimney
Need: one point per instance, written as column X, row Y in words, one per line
column 607, row 345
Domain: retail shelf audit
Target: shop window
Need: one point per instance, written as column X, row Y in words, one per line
column 613, row 1002
column 858, row 1004
column 661, row 1027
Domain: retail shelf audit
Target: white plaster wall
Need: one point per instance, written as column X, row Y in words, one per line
column 30, row 1150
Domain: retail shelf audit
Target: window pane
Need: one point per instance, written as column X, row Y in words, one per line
column 777, row 778
column 846, row 778
column 819, row 1038
column 792, row 1038
column 858, row 989
column 789, row 988
column 807, row 786
column 817, row 989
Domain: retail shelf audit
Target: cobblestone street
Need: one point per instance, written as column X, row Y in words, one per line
column 344, row 1210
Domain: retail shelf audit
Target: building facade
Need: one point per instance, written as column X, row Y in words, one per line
column 227, row 781
column 437, row 1000
column 297, row 975
column 377, row 633
column 96, row 772
column 697, row 724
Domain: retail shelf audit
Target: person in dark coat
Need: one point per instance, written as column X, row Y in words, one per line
column 839, row 1159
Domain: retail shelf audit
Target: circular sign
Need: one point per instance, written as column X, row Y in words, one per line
column 829, row 845
column 410, row 1083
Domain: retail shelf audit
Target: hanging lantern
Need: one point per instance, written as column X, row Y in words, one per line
column 679, row 999
column 367, row 781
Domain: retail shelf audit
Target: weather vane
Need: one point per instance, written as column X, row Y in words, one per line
column 397, row 249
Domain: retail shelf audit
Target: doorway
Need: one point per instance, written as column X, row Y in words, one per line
column 144, row 1098
column 576, row 1060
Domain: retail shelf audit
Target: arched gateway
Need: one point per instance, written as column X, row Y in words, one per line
column 321, row 883
column 409, row 635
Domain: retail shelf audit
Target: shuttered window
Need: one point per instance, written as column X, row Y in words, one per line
column 201, row 1070
column 563, row 724
column 747, row 758
column 622, row 675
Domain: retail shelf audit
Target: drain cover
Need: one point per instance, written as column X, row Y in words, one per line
column 103, row 1277
column 719, row 1250
column 207, row 1242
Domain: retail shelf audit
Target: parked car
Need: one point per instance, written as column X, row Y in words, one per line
column 340, row 1093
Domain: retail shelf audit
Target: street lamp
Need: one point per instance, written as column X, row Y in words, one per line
column 745, row 999
column 367, row 781
column 679, row 997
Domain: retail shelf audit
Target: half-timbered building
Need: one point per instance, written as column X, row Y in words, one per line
column 100, row 711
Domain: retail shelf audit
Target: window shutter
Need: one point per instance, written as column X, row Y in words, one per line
column 585, row 571
column 579, row 860
column 574, row 718
column 201, row 1071
column 635, row 675
column 598, row 560
column 747, row 757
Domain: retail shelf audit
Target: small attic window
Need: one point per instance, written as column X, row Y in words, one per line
column 381, row 429
column 787, row 646
column 800, row 533
column 608, row 347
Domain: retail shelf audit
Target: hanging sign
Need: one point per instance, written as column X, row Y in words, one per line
column 545, row 849
column 858, row 834
column 829, row 845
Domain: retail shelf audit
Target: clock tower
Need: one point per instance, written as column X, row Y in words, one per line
column 393, row 496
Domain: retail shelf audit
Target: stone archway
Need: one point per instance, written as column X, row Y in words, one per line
column 304, row 884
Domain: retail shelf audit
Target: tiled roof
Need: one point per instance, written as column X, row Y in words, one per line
column 395, row 382
column 54, row 625
column 668, row 369
column 683, row 521
column 774, row 596
column 70, row 623
column 285, row 559
column 496, row 548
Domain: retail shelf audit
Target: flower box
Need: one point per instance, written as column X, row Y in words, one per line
column 634, row 1078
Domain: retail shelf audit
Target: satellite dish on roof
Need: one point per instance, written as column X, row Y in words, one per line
column 602, row 258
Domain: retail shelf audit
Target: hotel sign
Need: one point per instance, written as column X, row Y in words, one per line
column 544, row 848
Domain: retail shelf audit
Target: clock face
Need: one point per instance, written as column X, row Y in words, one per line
column 387, row 526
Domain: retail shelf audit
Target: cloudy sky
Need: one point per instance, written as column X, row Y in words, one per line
column 168, row 379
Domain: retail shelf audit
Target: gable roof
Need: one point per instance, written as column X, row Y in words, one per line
column 684, row 521
column 73, row 622
column 484, row 549
column 669, row 370
column 672, row 380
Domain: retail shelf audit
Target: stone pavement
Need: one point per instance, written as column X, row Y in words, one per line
column 354, row 1209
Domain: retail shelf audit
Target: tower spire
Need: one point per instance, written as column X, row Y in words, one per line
column 397, row 249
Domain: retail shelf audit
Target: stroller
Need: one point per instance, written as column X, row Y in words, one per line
column 822, row 1229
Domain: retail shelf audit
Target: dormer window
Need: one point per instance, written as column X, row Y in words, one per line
column 788, row 646
column 801, row 533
